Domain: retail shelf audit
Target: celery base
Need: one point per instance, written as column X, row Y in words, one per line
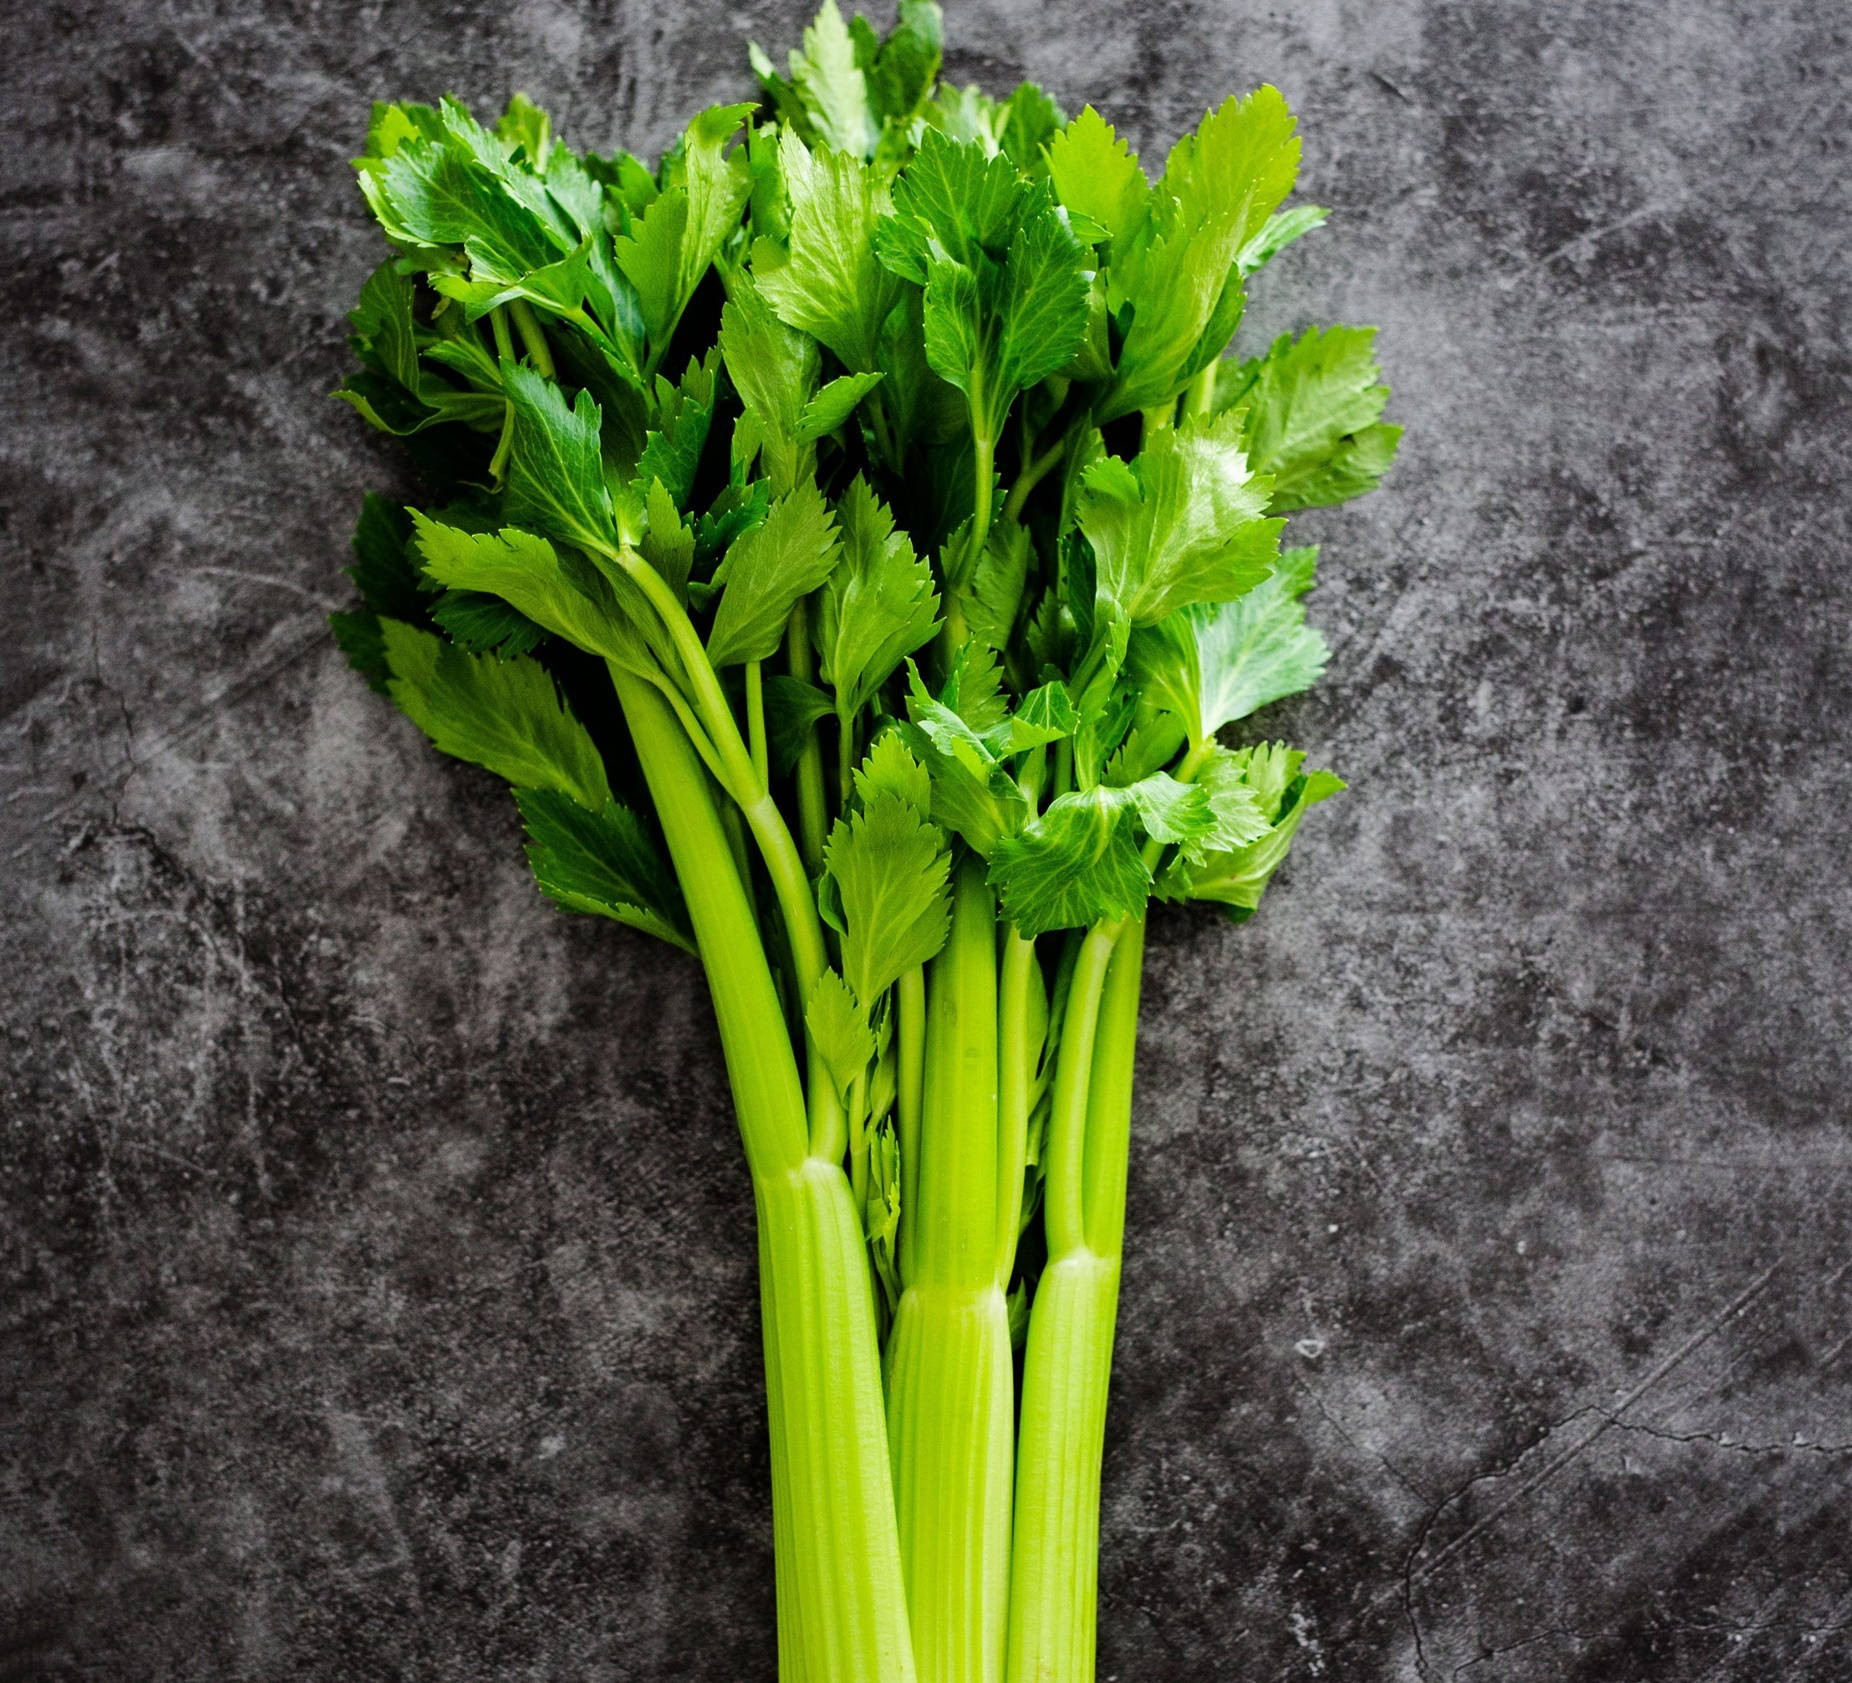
column 951, row 1417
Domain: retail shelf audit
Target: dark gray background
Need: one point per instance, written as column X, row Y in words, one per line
column 378, row 1264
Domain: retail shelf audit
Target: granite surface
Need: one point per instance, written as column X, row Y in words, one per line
column 377, row 1262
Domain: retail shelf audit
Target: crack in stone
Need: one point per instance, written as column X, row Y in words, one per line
column 1722, row 1440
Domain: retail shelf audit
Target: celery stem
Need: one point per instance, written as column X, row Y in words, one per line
column 951, row 1413
column 528, row 326
column 498, row 463
column 504, row 349
column 504, row 340
column 766, row 1091
column 1065, row 1205
column 841, row 1592
column 790, row 880
column 755, row 721
column 858, row 1139
column 1199, row 394
column 1015, row 1074
column 984, row 455
column 909, row 1082
column 1054, row 1580
column 1031, row 476
column 812, row 816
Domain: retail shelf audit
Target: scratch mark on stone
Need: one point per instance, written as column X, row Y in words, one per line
column 1593, row 237
column 1413, row 1574
column 266, row 579
column 1331, row 1420
column 228, row 695
column 1609, row 1420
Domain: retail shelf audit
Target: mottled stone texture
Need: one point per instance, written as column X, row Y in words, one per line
column 378, row 1263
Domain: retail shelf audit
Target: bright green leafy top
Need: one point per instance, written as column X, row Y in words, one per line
column 885, row 429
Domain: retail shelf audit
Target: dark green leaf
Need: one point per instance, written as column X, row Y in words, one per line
column 792, row 709
column 559, row 593
column 833, row 405
column 486, row 624
column 766, row 571
column 877, row 607
column 361, row 640
column 504, row 715
column 383, row 569
column 603, row 862
column 556, row 480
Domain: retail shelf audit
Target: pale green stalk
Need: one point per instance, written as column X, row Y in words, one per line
column 950, row 1378
column 504, row 349
column 1054, row 1586
column 841, row 1596
column 1019, row 1004
column 734, row 770
column 527, row 324
column 812, row 814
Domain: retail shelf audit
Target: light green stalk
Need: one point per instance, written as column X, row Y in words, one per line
column 1021, row 1019
column 1054, row 1586
column 950, row 1379
column 841, row 1599
column 812, row 818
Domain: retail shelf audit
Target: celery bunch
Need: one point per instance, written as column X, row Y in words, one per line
column 849, row 539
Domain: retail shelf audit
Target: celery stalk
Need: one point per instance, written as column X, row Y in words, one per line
column 950, row 1378
column 841, row 1601
column 1054, row 1589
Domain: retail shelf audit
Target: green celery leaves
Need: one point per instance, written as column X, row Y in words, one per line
column 888, row 866
column 870, row 484
column 1005, row 280
column 601, row 861
column 877, row 607
column 1213, row 665
column 1280, row 795
column 767, row 571
column 953, row 534
column 1182, row 523
column 1309, row 411
column 505, row 716
column 826, row 280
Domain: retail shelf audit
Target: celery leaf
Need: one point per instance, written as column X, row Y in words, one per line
column 1309, row 409
column 827, row 280
column 603, row 862
column 889, row 866
column 1213, row 664
column 766, row 571
column 503, row 715
column 877, row 607
column 839, row 1029
column 556, row 480
column 1182, row 523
